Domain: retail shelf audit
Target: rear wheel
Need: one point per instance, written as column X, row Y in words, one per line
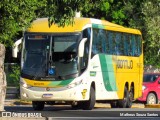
column 130, row 99
column 151, row 98
column 114, row 104
column 124, row 102
column 38, row 105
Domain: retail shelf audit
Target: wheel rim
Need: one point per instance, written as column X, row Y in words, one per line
column 151, row 100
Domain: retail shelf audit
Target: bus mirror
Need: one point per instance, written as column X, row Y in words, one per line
column 15, row 49
column 81, row 47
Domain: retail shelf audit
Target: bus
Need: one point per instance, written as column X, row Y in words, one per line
column 91, row 60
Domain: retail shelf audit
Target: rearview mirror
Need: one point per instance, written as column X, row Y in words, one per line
column 15, row 49
column 81, row 47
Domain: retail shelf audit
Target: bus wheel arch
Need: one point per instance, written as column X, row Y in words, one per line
column 125, row 103
column 89, row 104
column 132, row 89
column 131, row 95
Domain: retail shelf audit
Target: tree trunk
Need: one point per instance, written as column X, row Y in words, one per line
column 3, row 82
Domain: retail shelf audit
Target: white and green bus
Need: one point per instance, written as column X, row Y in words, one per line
column 91, row 60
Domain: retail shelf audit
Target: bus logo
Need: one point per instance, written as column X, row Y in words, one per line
column 124, row 64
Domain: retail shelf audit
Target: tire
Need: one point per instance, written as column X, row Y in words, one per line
column 38, row 105
column 130, row 99
column 123, row 103
column 151, row 99
column 89, row 105
column 78, row 106
column 114, row 104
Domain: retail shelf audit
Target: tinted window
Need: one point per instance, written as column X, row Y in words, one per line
column 116, row 43
column 150, row 78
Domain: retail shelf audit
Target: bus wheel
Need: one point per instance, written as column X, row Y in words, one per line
column 89, row 105
column 79, row 105
column 123, row 103
column 151, row 99
column 38, row 105
column 114, row 104
column 130, row 99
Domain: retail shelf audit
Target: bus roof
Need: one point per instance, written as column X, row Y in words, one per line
column 42, row 25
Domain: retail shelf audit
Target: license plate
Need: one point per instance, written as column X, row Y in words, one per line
column 47, row 95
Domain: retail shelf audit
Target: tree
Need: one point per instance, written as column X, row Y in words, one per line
column 62, row 12
column 144, row 15
column 15, row 17
column 151, row 30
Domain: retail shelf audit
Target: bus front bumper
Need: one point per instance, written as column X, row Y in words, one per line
column 77, row 93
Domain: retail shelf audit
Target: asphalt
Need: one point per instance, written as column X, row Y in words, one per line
column 16, row 102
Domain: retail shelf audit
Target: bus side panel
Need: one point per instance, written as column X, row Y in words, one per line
column 102, row 71
column 127, row 73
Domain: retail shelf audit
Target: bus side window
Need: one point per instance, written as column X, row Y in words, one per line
column 94, row 42
column 114, row 47
column 110, row 39
column 107, row 42
column 119, row 44
column 84, row 60
column 133, row 48
column 129, row 41
column 139, row 42
column 136, row 46
column 99, row 42
column 102, row 41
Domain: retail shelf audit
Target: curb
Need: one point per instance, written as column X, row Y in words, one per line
column 152, row 106
column 107, row 105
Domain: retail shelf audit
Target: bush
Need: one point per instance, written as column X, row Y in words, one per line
column 15, row 75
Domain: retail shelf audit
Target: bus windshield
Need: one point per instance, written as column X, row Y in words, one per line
column 52, row 57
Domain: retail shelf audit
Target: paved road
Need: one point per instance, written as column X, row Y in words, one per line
column 59, row 112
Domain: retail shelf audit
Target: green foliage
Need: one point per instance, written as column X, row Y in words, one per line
column 15, row 17
column 151, row 30
column 62, row 12
column 96, row 8
column 15, row 75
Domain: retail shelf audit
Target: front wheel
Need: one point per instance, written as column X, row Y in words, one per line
column 89, row 105
column 38, row 105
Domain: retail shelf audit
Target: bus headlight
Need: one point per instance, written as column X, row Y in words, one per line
column 74, row 84
column 24, row 85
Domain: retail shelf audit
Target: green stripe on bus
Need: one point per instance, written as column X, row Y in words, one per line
column 60, row 83
column 98, row 26
column 108, row 72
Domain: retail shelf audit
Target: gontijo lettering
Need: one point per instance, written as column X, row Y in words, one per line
column 124, row 64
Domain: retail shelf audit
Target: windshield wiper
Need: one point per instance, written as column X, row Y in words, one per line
column 51, row 68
